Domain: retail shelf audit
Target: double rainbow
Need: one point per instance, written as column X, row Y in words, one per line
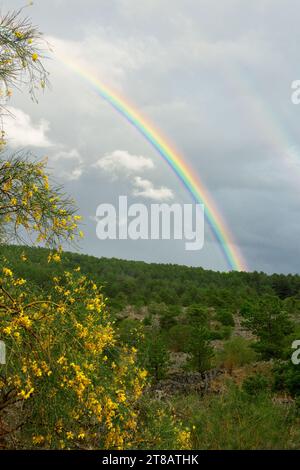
column 193, row 184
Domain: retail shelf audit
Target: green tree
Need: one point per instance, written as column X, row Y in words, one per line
column 225, row 317
column 154, row 355
column 287, row 377
column 268, row 320
column 197, row 314
column 179, row 337
column 168, row 317
column 236, row 352
column 199, row 349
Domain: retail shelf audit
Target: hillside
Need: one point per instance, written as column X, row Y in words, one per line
column 216, row 346
column 139, row 283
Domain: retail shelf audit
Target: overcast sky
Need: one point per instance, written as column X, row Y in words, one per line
column 214, row 77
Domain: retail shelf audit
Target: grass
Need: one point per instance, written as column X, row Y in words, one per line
column 235, row 420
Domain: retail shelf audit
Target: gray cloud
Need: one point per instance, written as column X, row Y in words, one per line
column 214, row 78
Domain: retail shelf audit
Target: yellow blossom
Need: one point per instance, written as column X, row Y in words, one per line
column 7, row 272
column 38, row 440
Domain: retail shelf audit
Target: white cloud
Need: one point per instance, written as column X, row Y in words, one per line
column 20, row 131
column 108, row 57
column 122, row 162
column 146, row 189
column 68, row 164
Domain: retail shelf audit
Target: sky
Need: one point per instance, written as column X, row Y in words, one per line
column 214, row 78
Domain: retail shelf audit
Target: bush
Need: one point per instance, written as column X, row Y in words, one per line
column 287, row 377
column 270, row 322
column 179, row 337
column 77, row 385
column 225, row 317
column 154, row 355
column 234, row 421
column 221, row 333
column 130, row 332
column 197, row 315
column 160, row 428
column 168, row 318
column 199, row 349
column 236, row 352
column 256, row 384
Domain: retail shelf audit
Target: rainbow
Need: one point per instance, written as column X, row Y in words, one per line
column 266, row 121
column 192, row 183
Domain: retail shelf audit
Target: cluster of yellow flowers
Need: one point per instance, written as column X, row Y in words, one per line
column 65, row 362
column 31, row 202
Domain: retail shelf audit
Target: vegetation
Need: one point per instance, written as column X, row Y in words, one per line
column 68, row 381
column 112, row 354
column 248, row 340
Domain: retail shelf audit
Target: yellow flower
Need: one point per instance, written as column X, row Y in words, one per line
column 19, row 282
column 54, row 257
column 7, row 272
column 17, row 335
column 61, row 360
column 121, row 396
column 25, row 395
column 7, row 186
column 143, row 374
column 19, row 35
column 184, row 439
column 7, row 330
column 37, row 440
column 24, row 321
column 34, row 57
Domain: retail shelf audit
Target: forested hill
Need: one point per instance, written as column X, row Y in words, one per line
column 139, row 283
column 216, row 347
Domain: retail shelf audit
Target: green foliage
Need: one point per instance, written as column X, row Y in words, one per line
column 66, row 372
column 235, row 421
column 179, row 336
column 21, row 48
column 236, row 352
column 159, row 426
column 148, row 282
column 225, row 317
column 256, row 384
column 29, row 205
column 197, row 315
column 130, row 332
column 268, row 320
column 168, row 317
column 154, row 355
column 199, row 349
column 287, row 377
column 224, row 332
column 187, row 308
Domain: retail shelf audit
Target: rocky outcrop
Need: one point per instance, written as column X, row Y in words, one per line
column 185, row 383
